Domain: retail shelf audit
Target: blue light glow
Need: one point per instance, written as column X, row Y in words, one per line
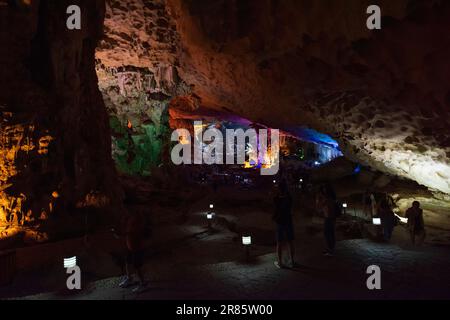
column 314, row 136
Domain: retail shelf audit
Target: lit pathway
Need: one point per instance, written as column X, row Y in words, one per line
column 418, row 274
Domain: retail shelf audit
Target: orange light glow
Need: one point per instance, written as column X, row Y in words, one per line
column 184, row 139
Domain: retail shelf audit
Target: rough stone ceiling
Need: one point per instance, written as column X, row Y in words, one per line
column 384, row 94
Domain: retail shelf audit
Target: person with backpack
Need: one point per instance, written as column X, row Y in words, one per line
column 285, row 228
column 416, row 224
column 327, row 205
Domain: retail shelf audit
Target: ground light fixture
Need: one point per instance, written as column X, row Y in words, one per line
column 211, row 206
column 376, row 221
column 247, row 241
column 209, row 218
column 300, row 183
column 70, row 262
column 345, row 205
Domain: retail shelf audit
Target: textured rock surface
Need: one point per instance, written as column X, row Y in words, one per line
column 383, row 94
column 55, row 141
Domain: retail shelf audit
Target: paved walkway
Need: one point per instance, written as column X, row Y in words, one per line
column 406, row 274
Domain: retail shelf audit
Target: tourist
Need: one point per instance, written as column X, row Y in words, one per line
column 134, row 235
column 388, row 219
column 416, row 225
column 285, row 227
column 326, row 204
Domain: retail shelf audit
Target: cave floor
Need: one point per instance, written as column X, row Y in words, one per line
column 185, row 261
column 406, row 274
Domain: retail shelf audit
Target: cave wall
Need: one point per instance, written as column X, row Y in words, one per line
column 138, row 78
column 55, row 136
column 137, row 103
column 383, row 95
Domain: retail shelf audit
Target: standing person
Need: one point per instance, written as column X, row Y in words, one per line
column 326, row 203
column 388, row 219
column 373, row 203
column 133, row 226
column 285, row 227
column 416, row 224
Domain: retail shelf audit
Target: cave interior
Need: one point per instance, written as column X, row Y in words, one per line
column 87, row 117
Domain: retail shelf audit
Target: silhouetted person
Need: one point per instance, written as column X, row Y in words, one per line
column 326, row 202
column 285, row 227
column 416, row 225
column 373, row 204
column 133, row 225
column 388, row 219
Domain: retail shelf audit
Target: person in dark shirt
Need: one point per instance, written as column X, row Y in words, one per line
column 326, row 205
column 133, row 230
column 285, row 227
column 416, row 225
column 388, row 219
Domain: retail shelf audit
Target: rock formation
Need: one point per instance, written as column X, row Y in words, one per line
column 55, row 139
column 382, row 94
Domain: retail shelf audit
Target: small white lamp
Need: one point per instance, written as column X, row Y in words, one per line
column 70, row 262
column 246, row 240
column 376, row 221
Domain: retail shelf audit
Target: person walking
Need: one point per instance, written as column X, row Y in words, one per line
column 416, row 224
column 388, row 219
column 326, row 203
column 133, row 225
column 284, row 225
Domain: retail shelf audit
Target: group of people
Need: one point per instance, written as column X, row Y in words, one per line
column 328, row 206
column 133, row 229
column 415, row 224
